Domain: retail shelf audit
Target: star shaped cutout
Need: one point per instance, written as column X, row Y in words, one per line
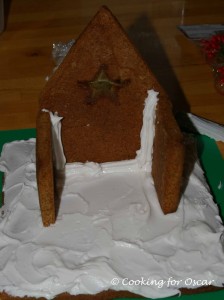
column 102, row 85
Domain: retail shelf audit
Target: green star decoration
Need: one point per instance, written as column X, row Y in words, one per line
column 101, row 86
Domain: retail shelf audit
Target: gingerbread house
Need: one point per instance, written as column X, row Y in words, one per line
column 99, row 89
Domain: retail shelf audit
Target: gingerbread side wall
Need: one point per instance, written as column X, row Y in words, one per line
column 44, row 168
column 168, row 158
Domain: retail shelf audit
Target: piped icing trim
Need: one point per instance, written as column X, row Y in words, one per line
column 59, row 156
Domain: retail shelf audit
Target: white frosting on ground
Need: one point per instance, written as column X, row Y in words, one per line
column 110, row 232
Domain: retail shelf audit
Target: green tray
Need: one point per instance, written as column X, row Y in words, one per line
column 213, row 165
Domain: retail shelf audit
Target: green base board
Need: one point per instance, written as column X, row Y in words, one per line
column 213, row 165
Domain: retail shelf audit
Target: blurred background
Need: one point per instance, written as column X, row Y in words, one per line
column 29, row 29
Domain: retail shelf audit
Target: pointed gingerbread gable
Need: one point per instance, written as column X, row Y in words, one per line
column 100, row 90
column 108, row 129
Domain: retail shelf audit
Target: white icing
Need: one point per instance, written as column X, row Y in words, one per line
column 59, row 157
column 110, row 225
